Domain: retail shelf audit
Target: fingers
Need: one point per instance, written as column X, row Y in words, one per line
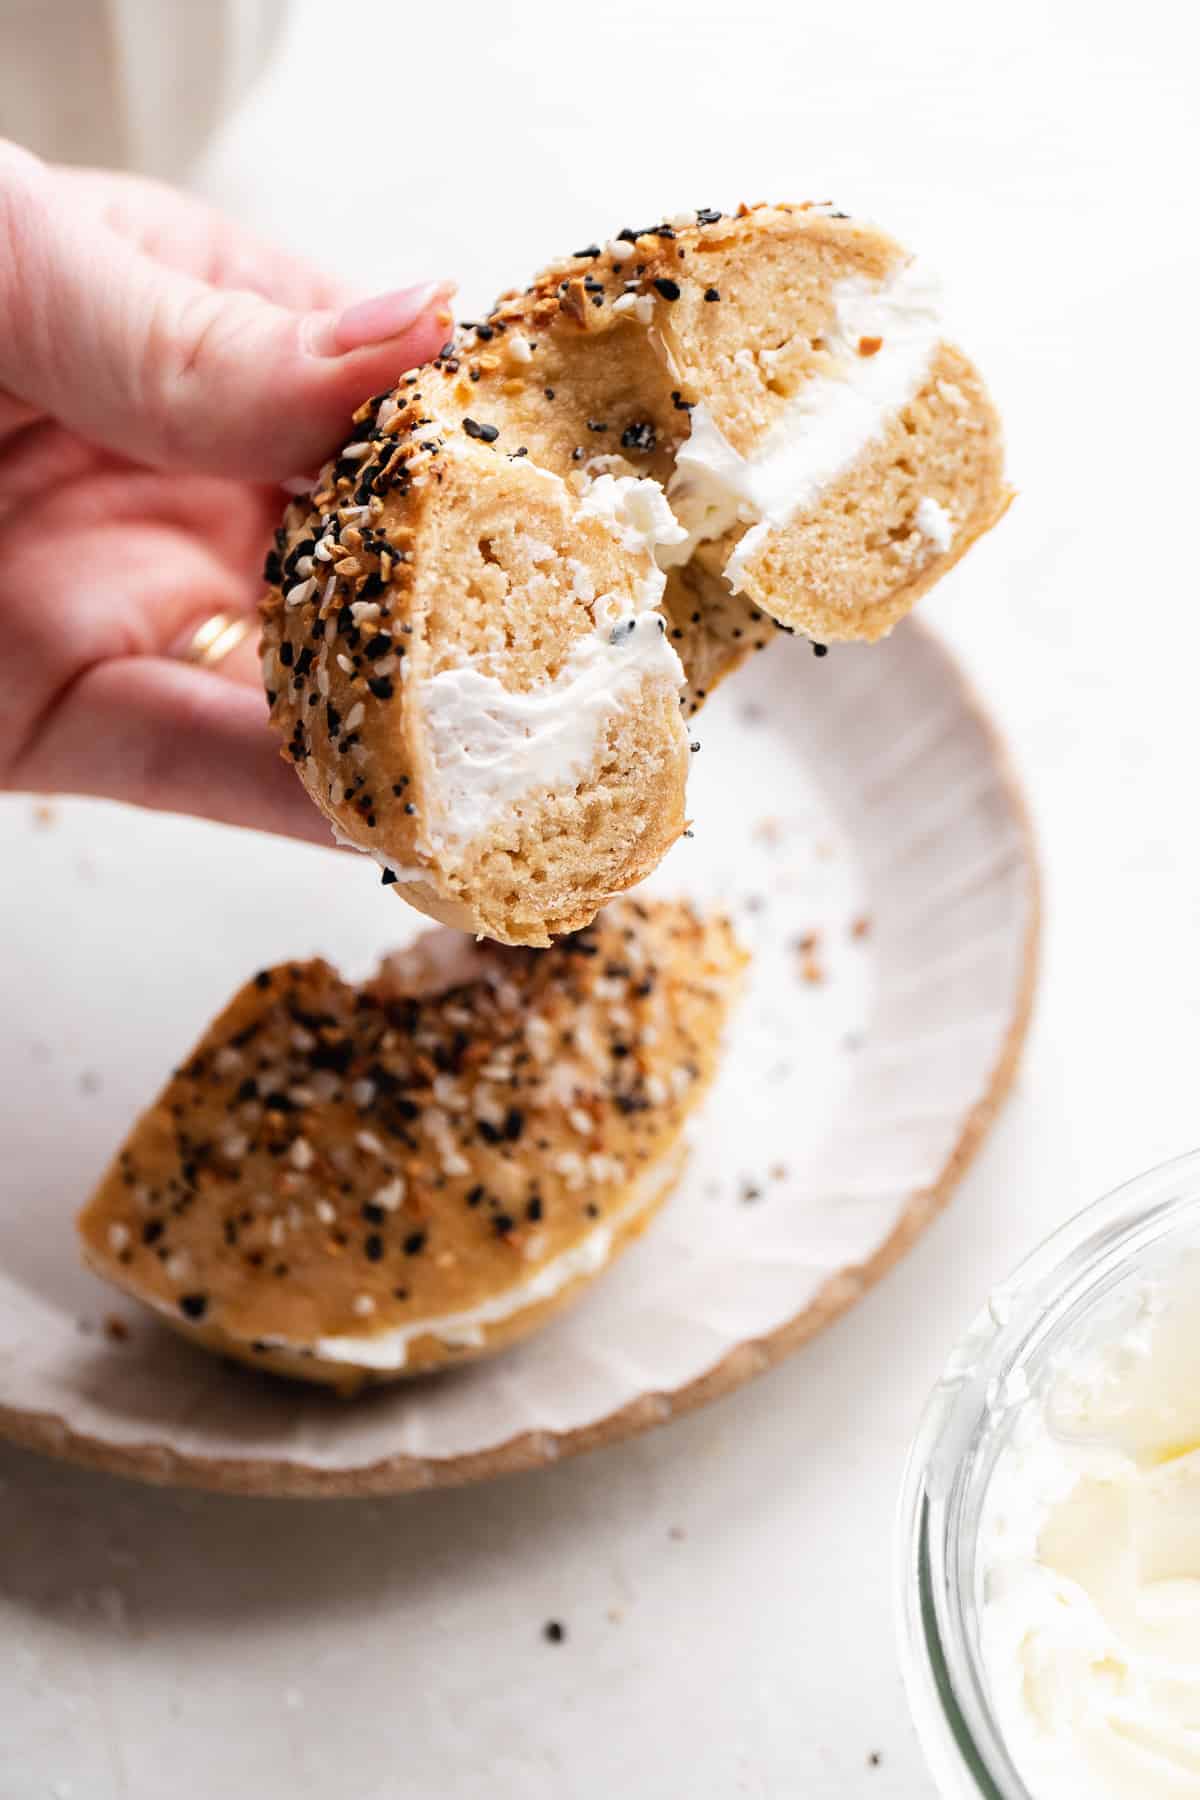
column 166, row 735
column 186, row 233
column 160, row 366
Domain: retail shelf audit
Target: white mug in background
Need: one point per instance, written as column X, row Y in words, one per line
column 129, row 84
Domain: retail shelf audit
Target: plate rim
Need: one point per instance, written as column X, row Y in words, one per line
column 283, row 1477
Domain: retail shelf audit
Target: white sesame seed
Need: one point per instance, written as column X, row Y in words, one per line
column 355, row 716
column 386, row 665
column 656, row 1090
column 303, row 590
column 681, row 220
column 276, row 1233
column 534, row 1246
column 364, row 609
column 304, row 566
column 362, row 1093
column 640, row 305
column 330, row 631
column 619, row 250
column 302, row 1040
column 234, row 1147
column 337, row 792
column 519, row 348
column 301, row 1154
column 329, row 590
column 178, row 1266
column 323, row 1083
column 359, row 753
column 324, row 550
column 356, row 452
column 227, row 1059
column 270, row 667
column 301, row 1094
column 363, row 1306
column 366, row 1140
column 323, row 681
column 391, row 1197
column 118, row 1237
column 325, row 1212
column 580, row 1121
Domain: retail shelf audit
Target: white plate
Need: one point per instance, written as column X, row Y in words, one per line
column 860, row 802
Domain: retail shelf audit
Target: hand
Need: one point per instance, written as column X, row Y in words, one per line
column 160, row 375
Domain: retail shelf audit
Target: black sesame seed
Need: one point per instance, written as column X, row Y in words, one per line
column 514, row 1123
column 554, row 1631
column 549, row 393
column 639, row 436
column 707, row 215
column 666, row 287
column 711, row 294
column 533, row 1208
column 414, row 1243
column 503, row 1223
column 193, row 1306
column 475, row 1196
column 388, row 878
column 588, row 250
column 596, row 425
column 486, row 433
column 373, row 1247
column 373, row 1214
column 286, row 654
column 820, row 649
column 381, row 686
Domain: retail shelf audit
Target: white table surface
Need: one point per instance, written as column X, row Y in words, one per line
column 725, row 1582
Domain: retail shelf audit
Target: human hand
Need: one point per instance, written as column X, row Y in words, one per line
column 160, row 374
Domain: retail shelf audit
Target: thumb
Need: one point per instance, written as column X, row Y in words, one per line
column 172, row 371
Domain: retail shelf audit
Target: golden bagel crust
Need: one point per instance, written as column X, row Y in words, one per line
column 339, row 1161
column 453, row 532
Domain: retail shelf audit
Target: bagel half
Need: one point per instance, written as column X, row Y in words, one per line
column 354, row 1183
column 541, row 550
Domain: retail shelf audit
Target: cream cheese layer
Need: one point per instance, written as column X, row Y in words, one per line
column 878, row 348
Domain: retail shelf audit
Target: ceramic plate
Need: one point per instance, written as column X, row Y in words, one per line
column 857, row 816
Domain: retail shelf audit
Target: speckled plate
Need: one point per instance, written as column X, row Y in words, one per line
column 856, row 814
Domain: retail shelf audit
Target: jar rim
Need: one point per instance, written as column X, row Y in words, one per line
column 957, row 1440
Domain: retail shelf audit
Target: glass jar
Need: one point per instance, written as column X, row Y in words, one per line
column 1053, row 1302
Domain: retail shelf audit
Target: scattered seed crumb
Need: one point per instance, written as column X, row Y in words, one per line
column 676, row 1533
column 750, row 1192
column 45, row 815
column 875, row 1758
column 860, row 927
column 808, row 943
column 116, row 1329
column 89, row 1082
column 852, row 1041
column 767, row 831
column 811, row 971
column 554, row 1631
column 778, row 1172
column 615, row 1615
